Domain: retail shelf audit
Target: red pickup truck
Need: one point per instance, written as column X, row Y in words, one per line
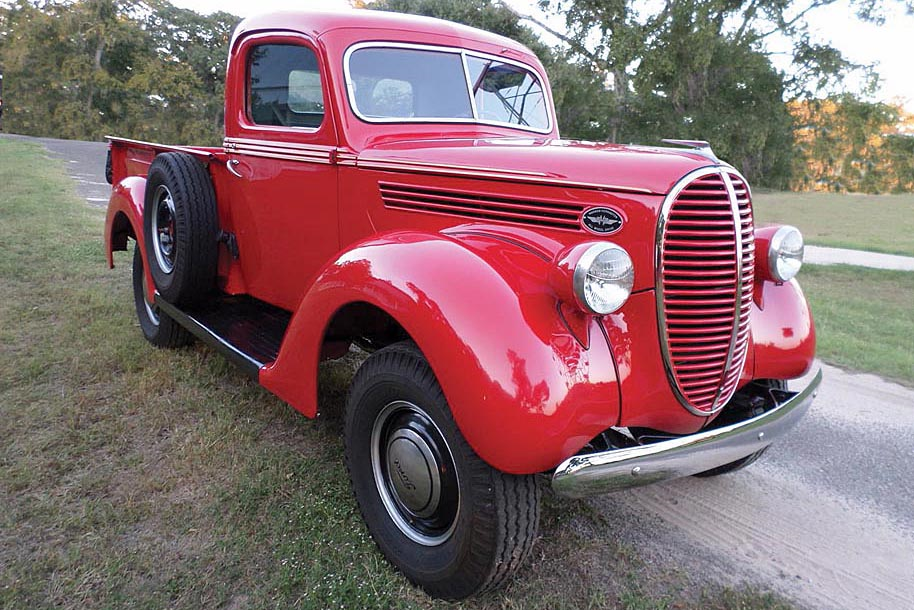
column 537, row 311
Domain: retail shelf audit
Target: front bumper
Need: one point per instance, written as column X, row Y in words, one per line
column 596, row 473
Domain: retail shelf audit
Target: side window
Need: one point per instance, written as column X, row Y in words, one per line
column 284, row 86
column 507, row 93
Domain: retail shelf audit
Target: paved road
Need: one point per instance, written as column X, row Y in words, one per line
column 818, row 255
column 85, row 162
column 827, row 517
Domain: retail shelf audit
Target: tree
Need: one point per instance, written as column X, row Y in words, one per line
column 94, row 67
column 696, row 82
column 578, row 91
column 699, row 68
column 623, row 78
column 847, row 144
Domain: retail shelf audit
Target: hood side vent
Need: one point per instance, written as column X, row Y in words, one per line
column 485, row 206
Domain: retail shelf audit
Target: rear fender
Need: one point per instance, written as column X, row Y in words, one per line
column 524, row 391
column 125, row 219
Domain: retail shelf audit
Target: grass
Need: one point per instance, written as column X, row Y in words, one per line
column 143, row 478
column 879, row 223
column 864, row 318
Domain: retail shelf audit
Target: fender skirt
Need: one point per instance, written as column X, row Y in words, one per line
column 524, row 391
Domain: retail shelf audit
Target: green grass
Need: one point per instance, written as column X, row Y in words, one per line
column 879, row 223
column 864, row 318
column 143, row 478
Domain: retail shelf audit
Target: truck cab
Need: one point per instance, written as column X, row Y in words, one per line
column 536, row 311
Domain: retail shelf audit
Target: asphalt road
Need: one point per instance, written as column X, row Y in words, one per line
column 826, row 517
column 818, row 255
column 85, row 162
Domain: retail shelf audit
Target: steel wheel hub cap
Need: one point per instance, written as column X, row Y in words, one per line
column 414, row 473
column 163, row 229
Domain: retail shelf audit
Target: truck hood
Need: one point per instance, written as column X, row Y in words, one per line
column 613, row 167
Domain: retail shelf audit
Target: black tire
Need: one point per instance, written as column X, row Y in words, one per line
column 109, row 172
column 181, row 228
column 158, row 328
column 775, row 384
column 482, row 525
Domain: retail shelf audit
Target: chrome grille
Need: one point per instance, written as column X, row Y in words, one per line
column 705, row 271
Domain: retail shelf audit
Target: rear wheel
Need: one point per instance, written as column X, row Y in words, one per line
column 451, row 523
column 158, row 328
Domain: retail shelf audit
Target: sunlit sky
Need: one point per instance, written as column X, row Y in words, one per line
column 890, row 45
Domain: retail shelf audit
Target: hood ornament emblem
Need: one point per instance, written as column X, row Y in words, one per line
column 699, row 146
column 602, row 221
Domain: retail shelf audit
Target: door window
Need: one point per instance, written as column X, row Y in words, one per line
column 285, row 86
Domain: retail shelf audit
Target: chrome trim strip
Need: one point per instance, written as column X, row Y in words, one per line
column 618, row 469
column 461, row 168
column 466, row 75
column 719, row 400
column 282, row 151
column 312, row 148
column 350, row 88
column 279, row 150
column 347, row 158
column 465, row 171
column 155, row 145
column 272, row 155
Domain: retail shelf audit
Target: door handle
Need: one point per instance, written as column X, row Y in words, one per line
column 231, row 165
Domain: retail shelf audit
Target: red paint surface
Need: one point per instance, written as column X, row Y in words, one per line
column 529, row 376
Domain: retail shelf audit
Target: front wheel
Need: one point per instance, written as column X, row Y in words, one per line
column 451, row 523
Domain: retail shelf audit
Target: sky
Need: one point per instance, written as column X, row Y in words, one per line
column 891, row 45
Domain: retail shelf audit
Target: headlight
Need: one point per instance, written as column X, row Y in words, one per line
column 603, row 278
column 785, row 253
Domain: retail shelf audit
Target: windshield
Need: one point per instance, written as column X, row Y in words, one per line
column 392, row 83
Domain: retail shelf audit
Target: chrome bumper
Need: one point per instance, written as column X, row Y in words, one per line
column 597, row 473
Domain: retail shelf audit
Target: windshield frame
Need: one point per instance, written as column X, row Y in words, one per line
column 463, row 53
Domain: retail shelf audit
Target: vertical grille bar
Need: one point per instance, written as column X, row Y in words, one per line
column 705, row 270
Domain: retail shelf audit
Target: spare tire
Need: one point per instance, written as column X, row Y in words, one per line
column 181, row 228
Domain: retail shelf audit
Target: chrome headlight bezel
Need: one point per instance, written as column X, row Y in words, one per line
column 582, row 276
column 785, row 259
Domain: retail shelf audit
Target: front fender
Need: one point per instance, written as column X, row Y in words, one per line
column 524, row 391
column 783, row 332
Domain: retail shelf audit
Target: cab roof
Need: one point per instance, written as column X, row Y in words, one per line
column 318, row 23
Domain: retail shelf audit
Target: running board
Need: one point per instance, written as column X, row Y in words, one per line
column 245, row 330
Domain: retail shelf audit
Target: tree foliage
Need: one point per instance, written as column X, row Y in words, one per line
column 576, row 89
column 625, row 71
column 845, row 144
column 684, row 69
column 92, row 67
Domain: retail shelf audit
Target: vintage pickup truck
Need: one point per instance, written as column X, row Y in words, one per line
column 537, row 311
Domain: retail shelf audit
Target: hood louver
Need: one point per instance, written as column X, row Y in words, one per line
column 484, row 206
